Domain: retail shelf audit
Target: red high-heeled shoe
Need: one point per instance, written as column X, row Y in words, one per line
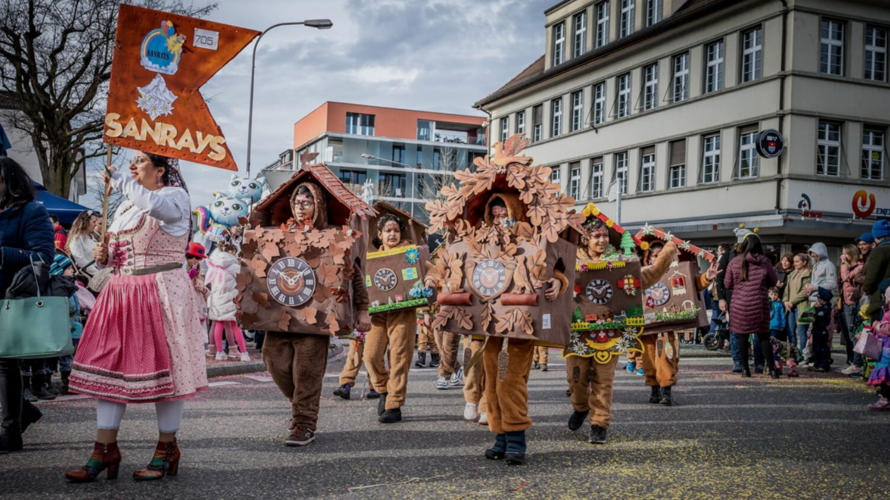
column 105, row 456
column 164, row 463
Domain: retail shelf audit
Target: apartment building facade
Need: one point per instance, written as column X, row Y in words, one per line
column 666, row 99
column 406, row 155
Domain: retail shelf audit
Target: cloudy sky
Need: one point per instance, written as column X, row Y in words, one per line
column 436, row 55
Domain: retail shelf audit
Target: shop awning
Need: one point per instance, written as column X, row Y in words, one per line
column 66, row 210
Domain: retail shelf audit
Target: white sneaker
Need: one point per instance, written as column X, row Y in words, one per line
column 442, row 383
column 470, row 412
column 245, row 357
column 483, row 418
column 455, row 380
column 221, row 356
column 850, row 369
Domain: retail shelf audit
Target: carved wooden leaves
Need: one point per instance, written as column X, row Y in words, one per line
column 464, row 319
column 515, row 318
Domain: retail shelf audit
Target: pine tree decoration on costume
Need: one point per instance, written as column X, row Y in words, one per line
column 628, row 247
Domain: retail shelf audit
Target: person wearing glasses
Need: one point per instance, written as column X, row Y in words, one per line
column 82, row 237
column 143, row 342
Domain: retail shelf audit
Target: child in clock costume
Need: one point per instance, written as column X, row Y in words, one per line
column 661, row 252
column 302, row 281
column 504, row 276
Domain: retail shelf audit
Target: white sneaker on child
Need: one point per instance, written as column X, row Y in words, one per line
column 221, row 356
column 245, row 357
column 441, row 383
column 470, row 413
column 483, row 418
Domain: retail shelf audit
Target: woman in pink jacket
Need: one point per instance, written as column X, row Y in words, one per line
column 749, row 276
column 851, row 267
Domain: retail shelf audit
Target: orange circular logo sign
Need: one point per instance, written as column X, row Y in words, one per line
column 863, row 204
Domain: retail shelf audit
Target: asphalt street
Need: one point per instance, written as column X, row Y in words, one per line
column 728, row 437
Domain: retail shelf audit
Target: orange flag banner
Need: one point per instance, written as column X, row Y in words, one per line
column 160, row 62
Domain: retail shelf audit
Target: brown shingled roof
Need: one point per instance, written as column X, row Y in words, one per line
column 534, row 73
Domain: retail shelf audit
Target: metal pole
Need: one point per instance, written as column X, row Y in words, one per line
column 316, row 23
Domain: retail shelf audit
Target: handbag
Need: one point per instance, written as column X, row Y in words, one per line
column 35, row 327
column 100, row 279
column 869, row 346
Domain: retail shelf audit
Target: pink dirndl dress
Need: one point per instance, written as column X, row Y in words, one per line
column 142, row 343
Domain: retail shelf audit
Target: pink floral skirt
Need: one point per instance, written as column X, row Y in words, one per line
column 143, row 341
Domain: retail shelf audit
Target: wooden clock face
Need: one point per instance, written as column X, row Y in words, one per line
column 489, row 277
column 291, row 281
column 657, row 295
column 385, row 279
column 599, row 291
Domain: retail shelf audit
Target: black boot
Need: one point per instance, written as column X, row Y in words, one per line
column 390, row 416
column 10, row 443
column 381, row 405
column 577, row 419
column 597, row 435
column 343, row 391
column 515, row 454
column 666, row 396
column 421, row 360
column 30, row 414
column 434, row 359
column 497, row 451
column 39, row 389
column 64, row 388
column 655, row 396
column 26, row 393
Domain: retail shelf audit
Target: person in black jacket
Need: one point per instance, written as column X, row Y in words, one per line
column 25, row 233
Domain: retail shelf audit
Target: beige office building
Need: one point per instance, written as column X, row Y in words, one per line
column 669, row 96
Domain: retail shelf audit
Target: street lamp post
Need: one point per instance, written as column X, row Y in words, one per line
column 322, row 24
column 410, row 171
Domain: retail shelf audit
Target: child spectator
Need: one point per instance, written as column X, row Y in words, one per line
column 822, row 318
column 880, row 375
column 193, row 257
column 776, row 315
column 222, row 268
column 62, row 266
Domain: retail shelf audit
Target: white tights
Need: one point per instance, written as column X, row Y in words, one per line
column 109, row 415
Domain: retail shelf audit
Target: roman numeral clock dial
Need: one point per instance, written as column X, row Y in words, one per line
column 489, row 277
column 291, row 282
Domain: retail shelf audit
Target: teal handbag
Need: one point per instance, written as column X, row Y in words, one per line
column 35, row 327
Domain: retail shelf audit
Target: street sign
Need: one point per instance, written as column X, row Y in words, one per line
column 770, row 143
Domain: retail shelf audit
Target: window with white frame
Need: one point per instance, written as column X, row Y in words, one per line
column 599, row 103
column 505, row 129
column 623, row 96
column 647, row 170
column 577, row 110
column 752, row 54
column 627, row 18
column 654, row 11
column 831, row 61
column 359, row 124
column 575, row 180
column 559, row 43
column 555, row 117
column 714, row 70
column 678, row 164
column 748, row 152
column 579, row 45
column 828, row 143
column 537, row 123
column 875, row 54
column 680, row 83
column 554, row 176
column 602, row 24
column 621, row 171
column 650, row 88
column 520, row 122
column 872, row 154
column 596, row 178
column 710, row 169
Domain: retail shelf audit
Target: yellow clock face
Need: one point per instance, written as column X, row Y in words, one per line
column 291, row 281
column 489, row 277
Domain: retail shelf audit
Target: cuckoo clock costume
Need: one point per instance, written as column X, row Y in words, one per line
column 672, row 302
column 505, row 267
column 394, row 274
column 607, row 318
column 302, row 280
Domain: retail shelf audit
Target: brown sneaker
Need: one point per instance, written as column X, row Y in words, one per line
column 300, row 437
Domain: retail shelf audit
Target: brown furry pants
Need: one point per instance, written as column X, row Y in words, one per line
column 508, row 398
column 396, row 330
column 296, row 362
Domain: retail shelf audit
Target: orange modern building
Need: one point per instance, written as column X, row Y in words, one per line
column 405, row 154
